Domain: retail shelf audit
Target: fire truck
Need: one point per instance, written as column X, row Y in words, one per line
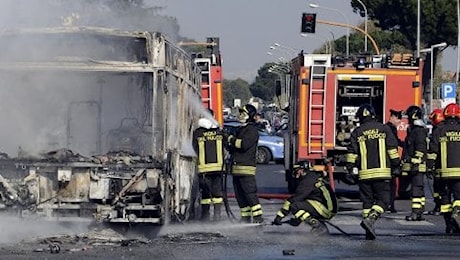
column 210, row 63
column 325, row 94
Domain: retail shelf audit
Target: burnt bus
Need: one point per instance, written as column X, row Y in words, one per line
column 96, row 123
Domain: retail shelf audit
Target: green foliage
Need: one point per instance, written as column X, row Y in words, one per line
column 234, row 89
column 438, row 19
column 264, row 85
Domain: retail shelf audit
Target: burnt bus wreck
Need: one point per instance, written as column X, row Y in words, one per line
column 96, row 123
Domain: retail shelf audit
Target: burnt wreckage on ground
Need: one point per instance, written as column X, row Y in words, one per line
column 99, row 125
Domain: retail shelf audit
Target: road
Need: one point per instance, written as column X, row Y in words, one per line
column 397, row 238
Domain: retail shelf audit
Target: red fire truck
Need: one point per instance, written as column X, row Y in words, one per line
column 210, row 63
column 325, row 94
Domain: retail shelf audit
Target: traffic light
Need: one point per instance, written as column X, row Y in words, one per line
column 308, row 23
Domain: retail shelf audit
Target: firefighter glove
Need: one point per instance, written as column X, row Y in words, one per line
column 295, row 222
column 277, row 221
column 230, row 138
column 414, row 167
column 430, row 173
column 396, row 172
column 350, row 167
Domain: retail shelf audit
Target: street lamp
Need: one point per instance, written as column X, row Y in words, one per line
column 431, row 50
column 365, row 24
column 346, row 19
column 328, row 44
column 291, row 50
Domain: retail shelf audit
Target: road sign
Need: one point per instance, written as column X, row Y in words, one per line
column 448, row 91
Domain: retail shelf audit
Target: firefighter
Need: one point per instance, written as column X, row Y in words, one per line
column 443, row 156
column 414, row 160
column 243, row 149
column 313, row 201
column 393, row 123
column 208, row 143
column 436, row 117
column 373, row 150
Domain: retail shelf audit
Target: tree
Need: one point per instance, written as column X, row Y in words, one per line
column 234, row 89
column 264, row 84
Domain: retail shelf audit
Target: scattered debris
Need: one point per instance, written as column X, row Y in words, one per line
column 289, row 252
column 194, row 237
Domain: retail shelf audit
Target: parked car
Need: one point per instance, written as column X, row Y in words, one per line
column 269, row 148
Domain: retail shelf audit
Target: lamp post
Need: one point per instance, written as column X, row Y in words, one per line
column 365, row 24
column 431, row 50
column 328, row 44
column 293, row 52
column 418, row 29
column 346, row 19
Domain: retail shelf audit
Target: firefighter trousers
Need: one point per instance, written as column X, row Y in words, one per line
column 374, row 194
column 417, row 191
column 211, row 188
column 450, row 194
column 303, row 209
column 246, row 195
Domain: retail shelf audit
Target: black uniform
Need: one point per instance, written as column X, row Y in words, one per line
column 445, row 153
column 414, row 163
column 243, row 150
column 209, row 146
column 313, row 201
column 373, row 149
column 391, row 206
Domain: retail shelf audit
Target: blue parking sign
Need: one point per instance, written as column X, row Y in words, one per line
column 448, row 90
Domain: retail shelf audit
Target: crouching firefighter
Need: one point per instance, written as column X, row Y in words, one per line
column 374, row 151
column 208, row 143
column 443, row 157
column 243, row 148
column 313, row 201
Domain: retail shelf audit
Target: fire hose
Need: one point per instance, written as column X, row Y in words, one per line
column 226, row 170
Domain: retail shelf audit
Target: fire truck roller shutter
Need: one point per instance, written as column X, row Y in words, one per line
column 354, row 90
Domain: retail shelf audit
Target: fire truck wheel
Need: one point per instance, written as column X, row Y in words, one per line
column 263, row 155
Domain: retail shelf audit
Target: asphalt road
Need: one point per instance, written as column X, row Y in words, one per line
column 397, row 238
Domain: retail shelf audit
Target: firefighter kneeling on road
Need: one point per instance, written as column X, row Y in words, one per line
column 313, row 201
column 443, row 156
column 374, row 151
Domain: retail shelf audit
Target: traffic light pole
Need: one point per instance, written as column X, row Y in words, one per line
column 376, row 48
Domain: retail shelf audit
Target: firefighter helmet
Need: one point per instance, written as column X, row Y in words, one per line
column 365, row 111
column 301, row 165
column 452, row 110
column 247, row 113
column 414, row 113
column 436, row 117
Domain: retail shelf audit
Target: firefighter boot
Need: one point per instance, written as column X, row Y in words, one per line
column 437, row 207
column 317, row 227
column 245, row 219
column 456, row 214
column 258, row 219
column 450, row 228
column 368, row 224
column 217, row 210
column 205, row 215
column 415, row 215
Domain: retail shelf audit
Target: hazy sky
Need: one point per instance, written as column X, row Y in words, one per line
column 247, row 28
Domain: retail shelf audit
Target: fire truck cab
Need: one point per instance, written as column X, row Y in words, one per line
column 325, row 93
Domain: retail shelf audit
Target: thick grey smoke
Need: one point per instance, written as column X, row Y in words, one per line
column 45, row 110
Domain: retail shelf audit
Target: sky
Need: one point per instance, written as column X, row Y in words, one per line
column 247, row 29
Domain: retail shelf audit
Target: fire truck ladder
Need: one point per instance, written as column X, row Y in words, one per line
column 317, row 108
column 206, row 88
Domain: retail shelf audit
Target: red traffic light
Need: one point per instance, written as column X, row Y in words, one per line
column 309, row 18
column 308, row 23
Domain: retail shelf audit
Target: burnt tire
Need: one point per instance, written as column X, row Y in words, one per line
column 263, row 155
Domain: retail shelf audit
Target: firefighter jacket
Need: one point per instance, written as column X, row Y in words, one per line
column 444, row 150
column 315, row 191
column 243, row 148
column 415, row 148
column 394, row 130
column 373, row 149
column 208, row 143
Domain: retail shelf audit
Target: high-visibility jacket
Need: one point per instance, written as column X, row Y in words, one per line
column 374, row 150
column 208, row 144
column 444, row 151
column 243, row 148
column 315, row 191
column 415, row 149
